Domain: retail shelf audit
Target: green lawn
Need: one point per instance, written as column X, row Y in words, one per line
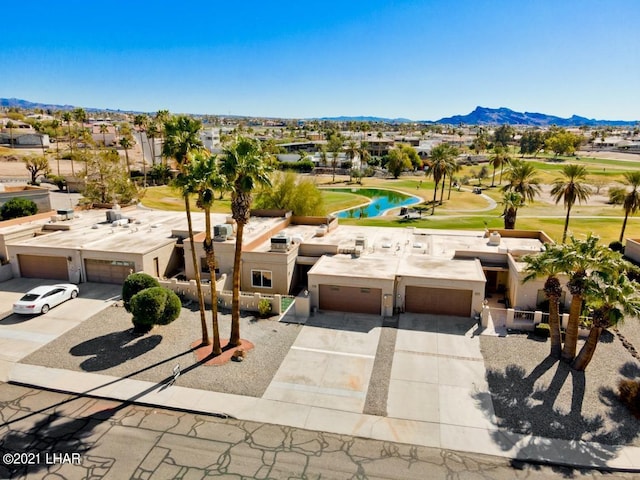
column 464, row 210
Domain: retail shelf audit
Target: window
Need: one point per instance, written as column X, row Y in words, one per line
column 261, row 278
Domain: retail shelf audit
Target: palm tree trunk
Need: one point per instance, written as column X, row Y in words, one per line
column 194, row 259
column 450, row 182
column 442, row 188
column 435, row 195
column 571, row 333
column 493, row 178
column 624, row 224
column 554, row 327
column 126, row 155
column 510, row 216
column 211, row 263
column 587, row 350
column 566, row 224
column 234, row 341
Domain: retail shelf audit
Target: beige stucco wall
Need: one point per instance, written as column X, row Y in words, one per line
column 524, row 295
column 280, row 264
column 632, row 249
column 166, row 260
column 40, row 196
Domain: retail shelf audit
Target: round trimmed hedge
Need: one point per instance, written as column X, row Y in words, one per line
column 134, row 283
column 154, row 306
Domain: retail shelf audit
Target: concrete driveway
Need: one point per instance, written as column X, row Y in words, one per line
column 21, row 335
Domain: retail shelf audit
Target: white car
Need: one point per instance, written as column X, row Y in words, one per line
column 42, row 299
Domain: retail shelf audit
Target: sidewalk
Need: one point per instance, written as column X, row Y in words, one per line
column 432, row 412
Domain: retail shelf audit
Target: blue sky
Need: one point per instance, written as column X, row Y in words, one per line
column 415, row 59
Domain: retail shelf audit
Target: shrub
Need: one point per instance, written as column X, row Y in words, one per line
column 617, row 246
column 172, row 308
column 629, row 393
column 134, row 283
column 18, row 207
column 542, row 330
column 264, row 307
column 154, row 306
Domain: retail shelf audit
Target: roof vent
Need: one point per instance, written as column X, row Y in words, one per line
column 222, row 231
column 494, row 239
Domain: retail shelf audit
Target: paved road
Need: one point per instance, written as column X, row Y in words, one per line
column 71, row 437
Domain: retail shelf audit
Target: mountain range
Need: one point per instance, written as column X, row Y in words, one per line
column 479, row 116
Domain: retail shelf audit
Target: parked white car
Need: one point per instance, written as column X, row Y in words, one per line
column 43, row 298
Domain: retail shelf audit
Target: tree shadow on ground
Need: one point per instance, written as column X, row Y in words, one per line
column 55, row 432
column 113, row 349
column 528, row 419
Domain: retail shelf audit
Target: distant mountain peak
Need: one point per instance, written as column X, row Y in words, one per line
column 503, row 115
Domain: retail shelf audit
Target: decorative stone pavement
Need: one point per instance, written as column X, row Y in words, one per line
column 110, row 440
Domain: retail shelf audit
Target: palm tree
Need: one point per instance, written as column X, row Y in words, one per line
column 631, row 202
column 351, row 152
column 580, row 260
column 439, row 165
column 512, row 201
column 547, row 264
column 570, row 188
column 67, row 117
column 500, row 158
column 522, row 179
column 612, row 297
column 207, row 179
column 181, row 143
column 103, row 130
column 140, row 121
column 126, row 143
column 245, row 170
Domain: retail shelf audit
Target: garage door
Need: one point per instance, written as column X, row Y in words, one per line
column 350, row 299
column 108, row 271
column 38, row 266
column 440, row 301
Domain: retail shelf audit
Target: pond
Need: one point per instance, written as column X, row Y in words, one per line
column 381, row 201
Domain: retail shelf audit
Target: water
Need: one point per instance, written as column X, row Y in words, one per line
column 381, row 200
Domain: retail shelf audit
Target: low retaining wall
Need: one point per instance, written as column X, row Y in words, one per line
column 248, row 300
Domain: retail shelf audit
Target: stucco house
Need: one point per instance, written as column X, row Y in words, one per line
column 370, row 270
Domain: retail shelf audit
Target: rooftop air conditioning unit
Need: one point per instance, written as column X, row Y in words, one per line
column 321, row 231
column 67, row 213
column 361, row 242
column 222, row 231
column 280, row 243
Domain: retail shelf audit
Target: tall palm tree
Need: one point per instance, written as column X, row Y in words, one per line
column 631, row 202
column 208, row 179
column 570, row 187
column 245, row 170
column 126, row 143
column 511, row 201
column 67, row 117
column 140, row 122
column 351, row 152
column 439, row 163
column 612, row 297
column 103, row 130
column 181, row 143
column 522, row 179
column 580, row 260
column 547, row 264
column 499, row 159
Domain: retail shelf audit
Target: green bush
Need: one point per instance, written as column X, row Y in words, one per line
column 542, row 330
column 629, row 392
column 134, row 283
column 617, row 246
column 264, row 307
column 18, row 207
column 172, row 308
column 154, row 306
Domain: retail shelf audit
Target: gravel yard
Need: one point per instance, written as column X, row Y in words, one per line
column 534, row 395
column 104, row 344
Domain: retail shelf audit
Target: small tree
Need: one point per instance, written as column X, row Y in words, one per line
column 37, row 165
column 134, row 283
column 154, row 306
column 18, row 207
